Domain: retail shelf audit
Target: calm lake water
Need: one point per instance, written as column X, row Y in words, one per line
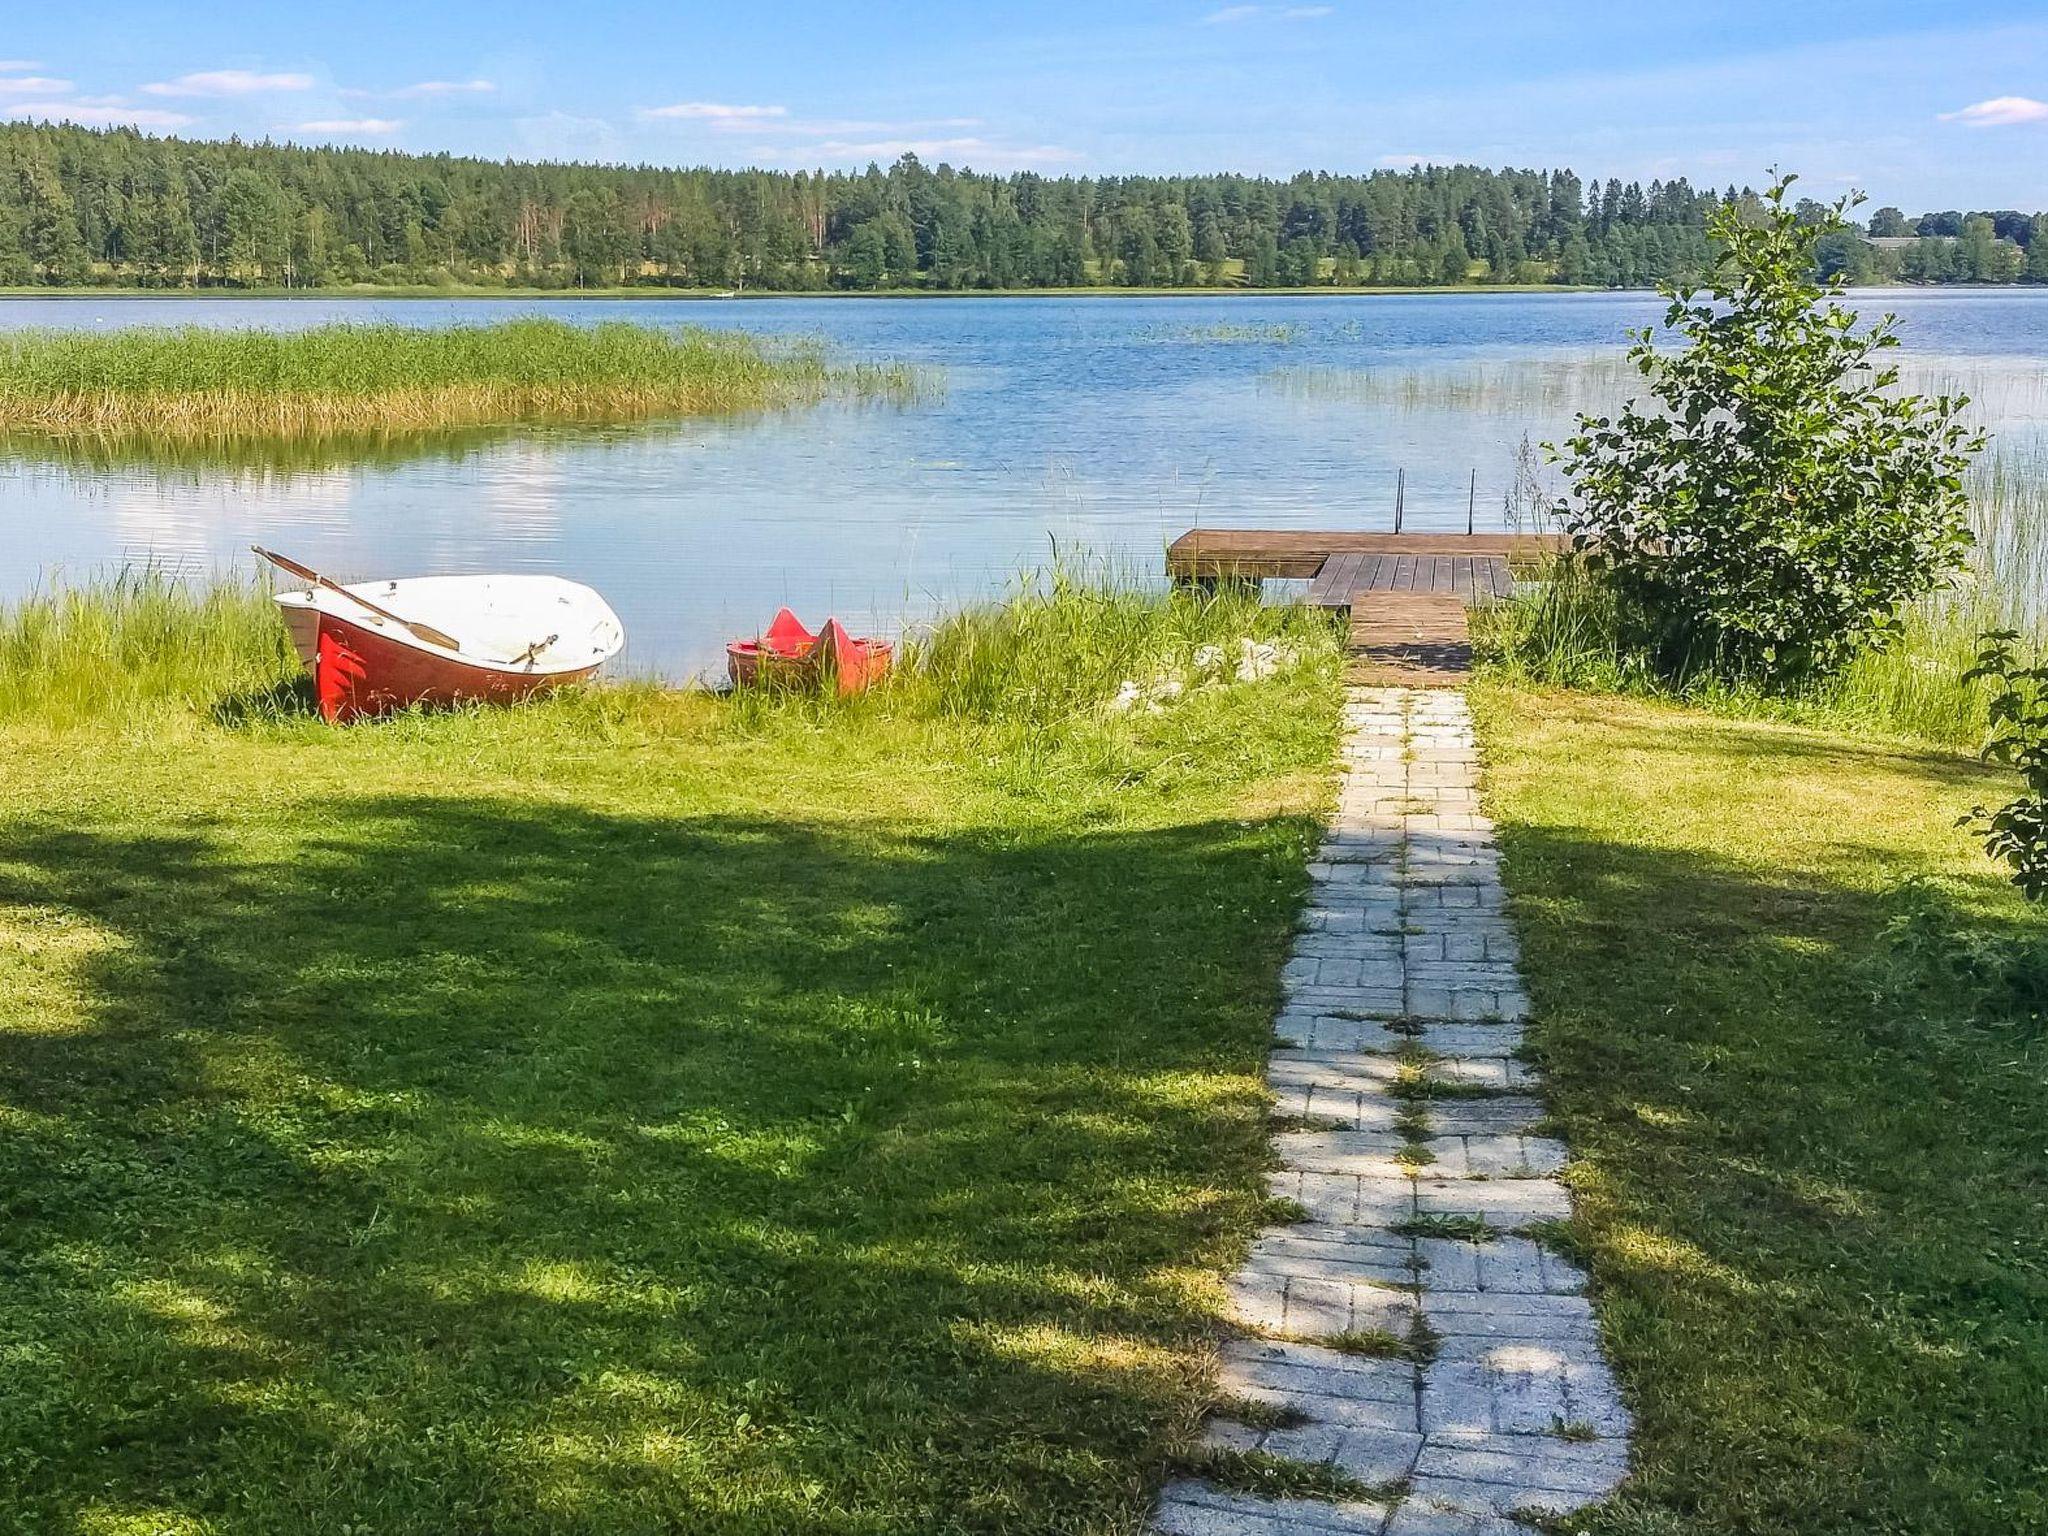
column 1101, row 425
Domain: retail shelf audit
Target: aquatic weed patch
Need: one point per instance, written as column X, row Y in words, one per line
column 200, row 383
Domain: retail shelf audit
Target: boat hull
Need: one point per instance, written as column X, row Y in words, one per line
column 517, row 636
column 358, row 672
column 788, row 656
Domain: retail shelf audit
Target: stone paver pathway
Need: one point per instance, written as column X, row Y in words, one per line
column 1468, row 1381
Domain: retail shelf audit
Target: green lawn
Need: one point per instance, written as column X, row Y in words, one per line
column 632, row 1116
column 1817, row 1220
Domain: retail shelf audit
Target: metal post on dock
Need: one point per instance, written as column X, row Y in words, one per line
column 1472, row 503
column 1400, row 496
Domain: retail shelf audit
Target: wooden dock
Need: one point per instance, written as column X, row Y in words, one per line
column 1406, row 594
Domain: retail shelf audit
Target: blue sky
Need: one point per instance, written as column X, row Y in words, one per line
column 1924, row 106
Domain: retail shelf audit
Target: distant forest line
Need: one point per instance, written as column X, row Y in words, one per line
column 84, row 208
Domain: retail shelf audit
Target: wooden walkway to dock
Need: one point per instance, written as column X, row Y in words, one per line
column 1406, row 594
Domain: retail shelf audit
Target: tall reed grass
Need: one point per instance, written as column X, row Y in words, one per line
column 138, row 647
column 194, row 383
column 1554, row 387
column 1064, row 642
column 1057, row 650
column 1565, row 630
column 1279, row 334
column 1548, row 389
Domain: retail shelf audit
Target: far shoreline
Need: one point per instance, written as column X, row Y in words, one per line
column 704, row 295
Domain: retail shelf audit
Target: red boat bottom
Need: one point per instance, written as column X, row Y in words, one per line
column 358, row 672
column 789, row 656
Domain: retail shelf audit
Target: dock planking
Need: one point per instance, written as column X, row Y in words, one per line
column 1409, row 640
column 1300, row 555
column 1406, row 594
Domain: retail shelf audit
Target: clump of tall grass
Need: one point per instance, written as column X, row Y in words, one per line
column 1548, row 390
column 195, row 383
column 146, row 645
column 1566, row 630
column 140, row 646
column 1065, row 644
column 1915, row 686
column 1279, row 334
column 1552, row 386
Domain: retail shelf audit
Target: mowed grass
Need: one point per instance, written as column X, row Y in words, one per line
column 634, row 1114
column 198, row 383
column 1817, row 1220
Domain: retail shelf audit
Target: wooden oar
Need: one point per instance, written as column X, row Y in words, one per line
column 426, row 632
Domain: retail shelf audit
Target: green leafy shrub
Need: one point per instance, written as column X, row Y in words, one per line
column 1778, row 501
column 2017, row 832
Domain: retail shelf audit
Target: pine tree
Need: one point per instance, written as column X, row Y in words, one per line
column 49, row 228
column 81, row 205
column 170, row 249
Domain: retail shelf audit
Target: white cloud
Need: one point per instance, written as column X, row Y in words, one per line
column 714, row 112
column 1231, row 13
column 95, row 114
column 2000, row 112
column 34, row 85
column 8, row 66
column 349, row 125
column 448, row 88
column 1401, row 162
column 228, row 82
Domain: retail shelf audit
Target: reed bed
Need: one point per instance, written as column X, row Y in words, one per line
column 192, row 384
column 1564, row 630
column 1064, row 642
column 1547, row 386
column 139, row 646
column 145, row 645
column 2010, row 398
column 1280, row 334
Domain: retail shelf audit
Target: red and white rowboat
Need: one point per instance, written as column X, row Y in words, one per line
column 513, row 636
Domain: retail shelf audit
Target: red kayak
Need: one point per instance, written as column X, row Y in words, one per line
column 789, row 656
column 383, row 645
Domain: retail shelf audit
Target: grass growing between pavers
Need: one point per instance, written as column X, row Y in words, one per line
column 633, row 1115
column 1279, row 1477
column 1816, row 1217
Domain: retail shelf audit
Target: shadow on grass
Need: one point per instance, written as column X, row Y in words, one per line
column 1791, row 737
column 1814, row 1214
column 489, row 1166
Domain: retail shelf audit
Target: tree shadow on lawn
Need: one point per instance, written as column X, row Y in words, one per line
column 491, row 1166
column 1813, row 1215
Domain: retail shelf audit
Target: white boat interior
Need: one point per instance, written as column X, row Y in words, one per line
column 527, row 624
